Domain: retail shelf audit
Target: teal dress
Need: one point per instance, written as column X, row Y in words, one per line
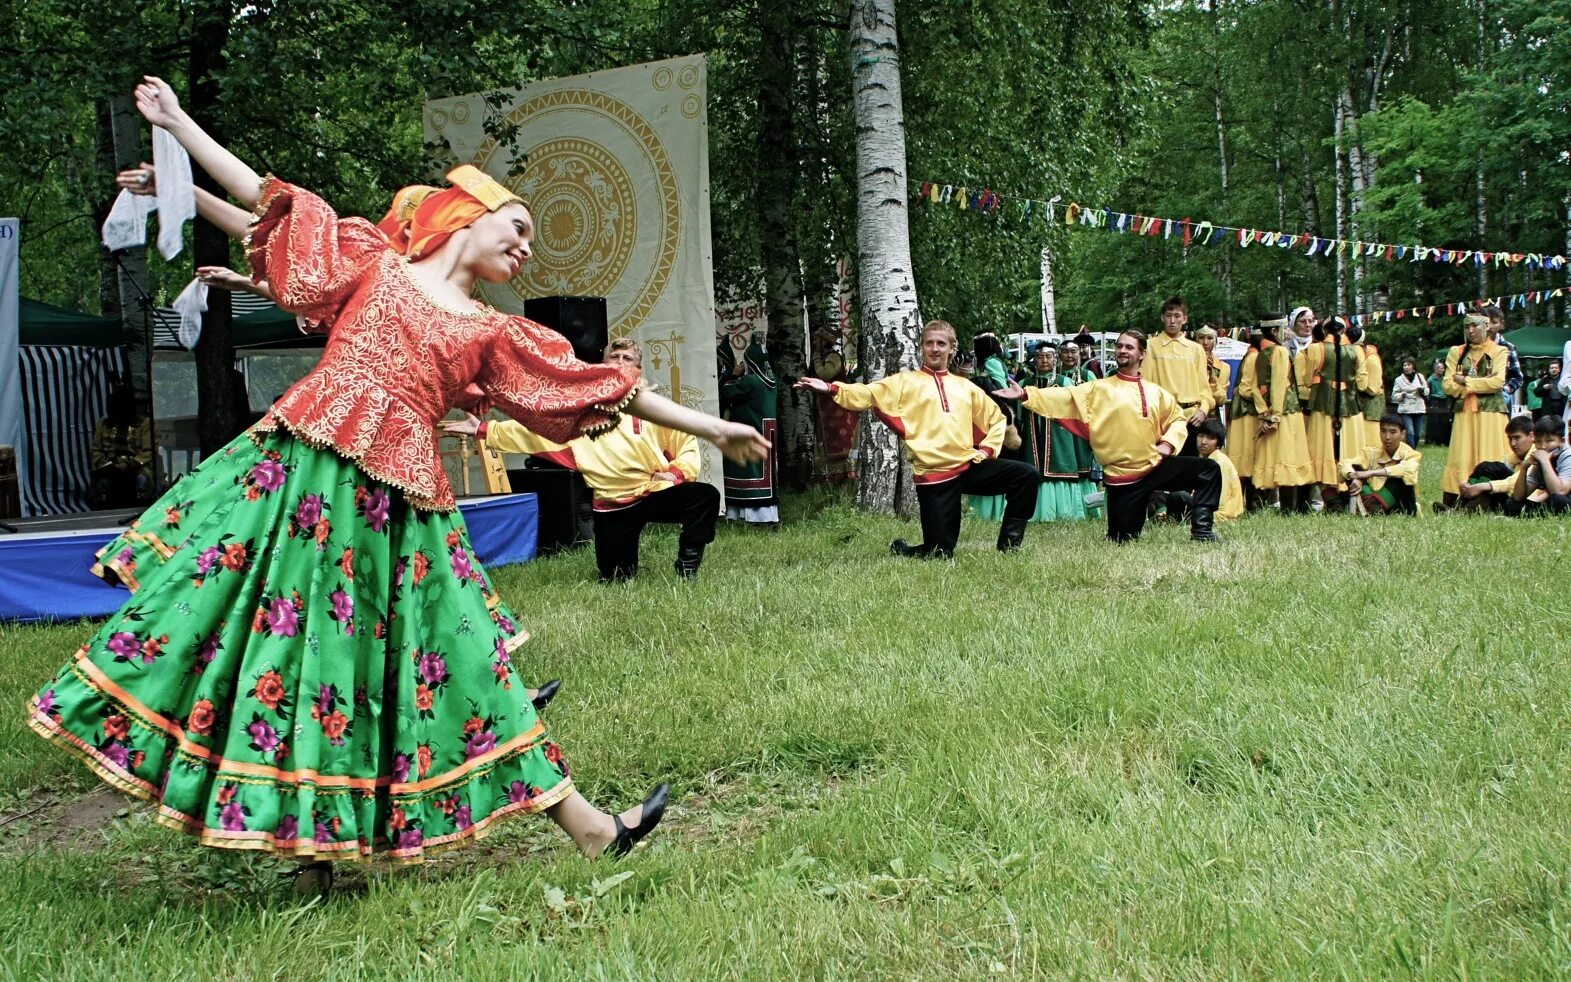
column 1063, row 458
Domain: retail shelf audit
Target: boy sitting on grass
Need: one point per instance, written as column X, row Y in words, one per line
column 1543, row 483
column 1385, row 478
column 1488, row 487
column 1208, row 443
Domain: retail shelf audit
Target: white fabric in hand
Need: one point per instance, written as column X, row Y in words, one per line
column 176, row 196
column 190, row 304
column 126, row 225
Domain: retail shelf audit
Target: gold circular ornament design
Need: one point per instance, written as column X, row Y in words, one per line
column 588, row 220
column 438, row 119
column 690, row 106
column 689, row 77
column 461, row 113
column 662, row 79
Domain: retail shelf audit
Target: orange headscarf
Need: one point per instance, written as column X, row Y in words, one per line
column 423, row 217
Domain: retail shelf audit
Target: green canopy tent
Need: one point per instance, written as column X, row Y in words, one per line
column 46, row 324
column 1539, row 342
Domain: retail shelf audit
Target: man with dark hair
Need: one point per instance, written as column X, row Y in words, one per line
column 1497, row 333
column 1488, row 485
column 1385, row 477
column 1178, row 365
column 1543, row 483
column 952, row 431
column 1135, row 429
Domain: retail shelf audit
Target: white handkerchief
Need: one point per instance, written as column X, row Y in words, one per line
column 190, row 304
column 176, row 199
column 126, row 225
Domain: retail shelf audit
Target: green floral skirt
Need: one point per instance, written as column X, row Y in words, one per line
column 307, row 666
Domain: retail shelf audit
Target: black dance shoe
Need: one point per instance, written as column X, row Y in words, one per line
column 314, row 879
column 899, row 547
column 649, row 816
column 546, row 693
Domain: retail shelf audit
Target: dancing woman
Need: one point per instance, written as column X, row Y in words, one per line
column 313, row 663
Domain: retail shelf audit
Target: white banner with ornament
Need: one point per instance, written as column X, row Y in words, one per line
column 615, row 168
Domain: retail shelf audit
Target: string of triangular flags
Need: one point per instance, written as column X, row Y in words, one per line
column 1514, row 301
column 990, row 202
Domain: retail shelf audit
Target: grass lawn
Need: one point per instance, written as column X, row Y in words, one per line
column 1326, row 747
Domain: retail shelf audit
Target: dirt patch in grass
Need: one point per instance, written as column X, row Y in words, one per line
column 63, row 822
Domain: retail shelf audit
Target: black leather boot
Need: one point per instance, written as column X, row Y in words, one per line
column 1201, row 525
column 1011, row 533
column 688, row 559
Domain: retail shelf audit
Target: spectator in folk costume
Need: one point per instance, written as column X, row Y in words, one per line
column 748, row 395
column 640, row 473
column 1242, row 424
column 1438, row 405
column 1218, row 372
column 1408, row 390
column 1209, row 442
column 1384, row 477
column 1331, row 380
column 1475, row 378
column 1543, row 482
column 1178, row 365
column 1087, row 345
column 1135, row 429
column 952, row 432
column 1281, row 466
column 1061, row 457
column 1372, row 396
column 1488, row 486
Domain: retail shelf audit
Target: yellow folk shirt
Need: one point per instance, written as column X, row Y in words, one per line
column 948, row 423
column 619, row 466
column 1402, row 465
column 1179, row 366
column 1232, row 505
column 1124, row 417
column 1220, row 375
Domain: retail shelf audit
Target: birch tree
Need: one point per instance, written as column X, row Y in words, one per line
column 886, row 287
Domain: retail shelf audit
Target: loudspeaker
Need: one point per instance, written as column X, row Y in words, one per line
column 566, row 505
column 582, row 320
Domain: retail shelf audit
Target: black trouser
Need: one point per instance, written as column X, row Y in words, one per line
column 1489, row 470
column 1189, row 449
column 693, row 505
column 1402, row 493
column 1127, row 503
column 1558, row 504
column 940, row 503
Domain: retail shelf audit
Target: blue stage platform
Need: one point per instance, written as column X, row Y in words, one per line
column 44, row 575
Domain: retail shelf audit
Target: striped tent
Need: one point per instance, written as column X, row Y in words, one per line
column 68, row 363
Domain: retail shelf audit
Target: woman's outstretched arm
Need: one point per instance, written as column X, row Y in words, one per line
column 157, row 103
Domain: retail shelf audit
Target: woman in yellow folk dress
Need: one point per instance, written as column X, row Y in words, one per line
column 1242, row 422
column 1475, row 377
column 1331, row 379
column 1372, row 397
column 1281, row 462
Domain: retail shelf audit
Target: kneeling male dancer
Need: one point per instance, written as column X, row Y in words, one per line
column 952, row 432
column 1135, row 429
column 639, row 472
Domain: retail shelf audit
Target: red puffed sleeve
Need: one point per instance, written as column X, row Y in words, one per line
column 312, row 259
column 531, row 374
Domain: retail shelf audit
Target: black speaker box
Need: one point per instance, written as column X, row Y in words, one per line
column 566, row 513
column 582, row 320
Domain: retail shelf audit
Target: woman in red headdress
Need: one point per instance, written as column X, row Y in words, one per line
column 313, row 663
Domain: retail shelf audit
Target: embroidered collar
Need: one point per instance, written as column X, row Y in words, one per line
column 929, row 371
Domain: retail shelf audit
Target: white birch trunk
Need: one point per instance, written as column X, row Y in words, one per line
column 1049, row 314
column 891, row 319
column 1343, row 294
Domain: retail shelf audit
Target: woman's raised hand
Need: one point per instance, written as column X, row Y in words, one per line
column 141, row 179
column 225, row 278
column 157, row 103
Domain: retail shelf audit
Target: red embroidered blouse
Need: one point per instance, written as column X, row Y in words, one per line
column 397, row 359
